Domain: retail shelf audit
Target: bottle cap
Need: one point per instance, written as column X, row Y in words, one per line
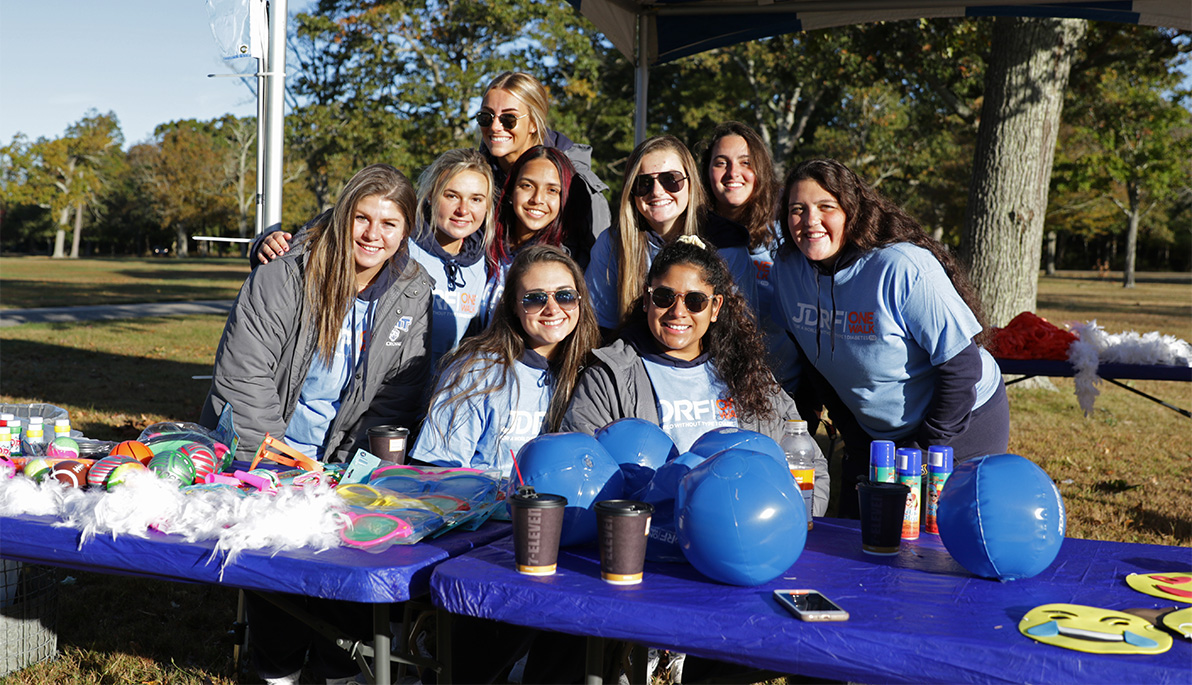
column 7, row 417
column 910, row 461
column 796, row 424
column 939, row 458
column 36, row 420
column 881, row 453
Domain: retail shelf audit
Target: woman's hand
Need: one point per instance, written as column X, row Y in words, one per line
column 273, row 246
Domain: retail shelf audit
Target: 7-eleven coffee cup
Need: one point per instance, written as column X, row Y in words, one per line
column 623, row 527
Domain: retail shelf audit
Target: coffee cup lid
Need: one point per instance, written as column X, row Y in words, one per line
column 537, row 500
column 624, row 507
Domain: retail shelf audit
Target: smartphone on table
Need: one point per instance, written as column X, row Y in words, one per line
column 810, row 605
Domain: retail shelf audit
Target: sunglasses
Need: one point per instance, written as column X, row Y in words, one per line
column 664, row 298
column 672, row 182
column 535, row 300
column 508, row 121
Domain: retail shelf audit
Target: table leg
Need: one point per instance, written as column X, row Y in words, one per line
column 443, row 641
column 641, row 665
column 594, row 662
column 381, row 648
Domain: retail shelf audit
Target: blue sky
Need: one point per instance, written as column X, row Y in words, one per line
column 146, row 60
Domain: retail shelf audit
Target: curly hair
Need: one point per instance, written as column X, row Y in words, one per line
column 504, row 341
column 871, row 221
column 733, row 342
column 757, row 214
column 554, row 233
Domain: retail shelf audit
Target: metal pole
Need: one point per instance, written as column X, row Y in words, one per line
column 275, row 90
column 641, row 81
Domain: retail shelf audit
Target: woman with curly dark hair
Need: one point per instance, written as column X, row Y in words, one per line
column 887, row 321
column 690, row 359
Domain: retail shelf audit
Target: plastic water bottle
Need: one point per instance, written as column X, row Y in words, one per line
column 800, row 459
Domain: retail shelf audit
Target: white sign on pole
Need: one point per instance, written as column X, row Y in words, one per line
column 241, row 32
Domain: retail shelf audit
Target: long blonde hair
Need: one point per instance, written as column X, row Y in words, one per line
column 434, row 180
column 330, row 279
column 529, row 90
column 630, row 232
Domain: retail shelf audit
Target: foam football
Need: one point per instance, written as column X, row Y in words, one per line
column 70, row 472
column 740, row 518
column 97, row 477
column 175, row 466
column 1002, row 517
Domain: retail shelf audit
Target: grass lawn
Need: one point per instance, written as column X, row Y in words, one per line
column 1123, row 472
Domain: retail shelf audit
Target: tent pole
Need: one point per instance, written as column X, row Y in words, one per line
column 641, row 81
column 275, row 82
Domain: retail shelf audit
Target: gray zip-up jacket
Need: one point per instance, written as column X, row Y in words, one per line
column 268, row 345
column 619, row 386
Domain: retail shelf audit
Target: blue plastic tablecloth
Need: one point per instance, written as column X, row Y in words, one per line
column 916, row 617
column 394, row 575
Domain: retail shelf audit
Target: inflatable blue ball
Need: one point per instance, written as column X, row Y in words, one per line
column 577, row 467
column 720, row 439
column 640, row 447
column 663, row 543
column 740, row 518
column 1001, row 517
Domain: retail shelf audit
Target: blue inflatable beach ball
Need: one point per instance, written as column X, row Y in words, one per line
column 740, row 518
column 640, row 447
column 576, row 466
column 663, row 543
column 720, row 439
column 1001, row 517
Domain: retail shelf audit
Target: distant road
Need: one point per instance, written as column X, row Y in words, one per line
column 104, row 312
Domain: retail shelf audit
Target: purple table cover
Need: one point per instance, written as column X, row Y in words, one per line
column 916, row 617
column 394, row 575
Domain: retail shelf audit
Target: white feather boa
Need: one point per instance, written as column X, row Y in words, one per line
column 291, row 519
column 1095, row 346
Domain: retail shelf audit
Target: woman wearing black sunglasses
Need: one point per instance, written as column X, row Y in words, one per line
column 513, row 119
column 503, row 387
column 690, row 359
column 662, row 199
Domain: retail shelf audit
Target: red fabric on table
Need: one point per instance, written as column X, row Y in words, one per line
column 1029, row 336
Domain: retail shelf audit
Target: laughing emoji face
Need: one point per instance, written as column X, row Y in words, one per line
column 1174, row 586
column 1093, row 630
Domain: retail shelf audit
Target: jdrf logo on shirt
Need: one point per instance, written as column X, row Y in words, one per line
column 523, row 423
column 678, row 411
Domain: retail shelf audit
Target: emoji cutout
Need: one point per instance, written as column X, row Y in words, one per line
column 1177, row 585
column 1093, row 630
column 1179, row 622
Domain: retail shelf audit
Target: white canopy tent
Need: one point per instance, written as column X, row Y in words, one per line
column 654, row 32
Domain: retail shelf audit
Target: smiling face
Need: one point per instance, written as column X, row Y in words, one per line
column 507, row 144
column 378, row 228
column 661, row 208
column 676, row 328
column 816, row 222
column 731, row 175
column 460, row 209
column 1094, row 630
column 535, row 198
column 551, row 325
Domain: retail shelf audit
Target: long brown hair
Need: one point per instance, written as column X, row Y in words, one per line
column 871, row 221
column 733, row 342
column 630, row 241
column 554, row 233
column 504, row 341
column 757, row 215
column 330, row 280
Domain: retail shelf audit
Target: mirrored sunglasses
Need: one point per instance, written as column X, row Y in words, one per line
column 672, row 182
column 664, row 298
column 534, row 301
column 508, row 121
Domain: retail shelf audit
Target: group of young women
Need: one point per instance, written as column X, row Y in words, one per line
column 716, row 291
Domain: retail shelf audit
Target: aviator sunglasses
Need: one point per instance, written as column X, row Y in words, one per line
column 535, row 300
column 508, row 121
column 672, row 182
column 664, row 298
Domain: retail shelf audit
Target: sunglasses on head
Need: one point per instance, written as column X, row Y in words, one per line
column 664, row 298
column 672, row 182
column 508, row 121
column 535, row 300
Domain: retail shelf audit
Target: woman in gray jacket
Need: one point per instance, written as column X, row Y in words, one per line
column 690, row 359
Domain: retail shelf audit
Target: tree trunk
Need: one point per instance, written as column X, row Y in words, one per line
column 60, row 236
column 182, row 249
column 1051, row 240
column 1024, row 96
column 1133, row 217
column 78, row 231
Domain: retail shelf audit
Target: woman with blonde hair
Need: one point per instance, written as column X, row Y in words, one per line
column 661, row 200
